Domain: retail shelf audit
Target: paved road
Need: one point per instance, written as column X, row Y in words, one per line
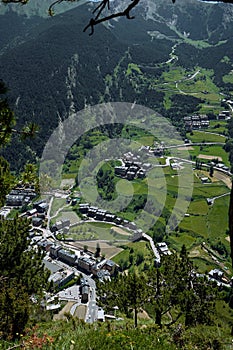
column 92, row 308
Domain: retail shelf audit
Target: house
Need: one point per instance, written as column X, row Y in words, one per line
column 85, row 293
column 133, row 168
column 100, row 315
column 216, row 274
column 204, row 179
column 36, row 221
column 141, row 173
column 67, row 256
column 83, row 208
column 100, row 214
column 120, row 170
column 110, row 266
column 92, row 212
column 42, row 207
column 163, row 248
column 4, row 211
column 60, row 278
column 14, row 200
column 118, row 220
column 109, row 217
column 54, row 250
column 130, row 175
column 85, row 264
column 31, row 212
column 224, row 115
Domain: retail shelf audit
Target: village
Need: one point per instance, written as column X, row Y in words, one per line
column 74, row 271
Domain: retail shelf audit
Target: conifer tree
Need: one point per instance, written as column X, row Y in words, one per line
column 22, row 275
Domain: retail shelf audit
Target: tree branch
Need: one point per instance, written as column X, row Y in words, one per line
column 104, row 4
column 97, row 20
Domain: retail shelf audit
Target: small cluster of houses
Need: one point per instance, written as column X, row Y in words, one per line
column 195, row 122
column 102, row 215
column 163, row 248
column 220, row 166
column 84, row 262
column 58, row 257
column 218, row 276
column 21, row 195
column 38, row 213
column 224, row 115
column 61, row 226
column 132, row 167
column 201, row 121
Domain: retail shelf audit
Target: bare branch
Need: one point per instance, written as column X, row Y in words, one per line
column 97, row 20
column 104, row 4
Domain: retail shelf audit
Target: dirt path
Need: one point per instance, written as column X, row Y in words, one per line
column 66, row 309
column 223, row 177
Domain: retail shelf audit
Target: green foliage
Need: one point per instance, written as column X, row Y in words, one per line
column 22, row 274
column 106, row 181
column 6, row 180
column 7, row 119
column 172, row 291
column 128, row 292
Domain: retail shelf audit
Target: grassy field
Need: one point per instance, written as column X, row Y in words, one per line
column 67, row 214
column 204, row 136
column 57, row 204
column 218, row 126
column 95, row 230
column 129, row 256
column 212, row 151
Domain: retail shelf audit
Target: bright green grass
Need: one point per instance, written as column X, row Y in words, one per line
column 173, row 74
column 210, row 150
column 209, row 190
column 218, row 126
column 203, row 136
column 195, row 224
column 228, row 78
column 57, row 204
column 97, row 230
column 218, row 218
column 132, row 67
column 70, row 215
column 181, row 238
column 203, row 265
column 199, row 207
column 142, row 248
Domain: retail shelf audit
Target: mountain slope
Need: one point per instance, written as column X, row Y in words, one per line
column 52, row 68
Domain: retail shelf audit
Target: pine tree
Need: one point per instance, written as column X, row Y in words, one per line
column 22, row 275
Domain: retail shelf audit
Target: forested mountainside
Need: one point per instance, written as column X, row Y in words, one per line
column 52, row 68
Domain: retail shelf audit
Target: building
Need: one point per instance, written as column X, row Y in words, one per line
column 224, row 115
column 60, row 278
column 216, row 274
column 130, row 175
column 4, row 211
column 32, row 212
column 14, row 200
column 121, row 170
column 42, row 207
column 163, row 248
column 67, row 256
column 54, row 250
column 85, row 264
column 83, row 208
column 85, row 294
column 110, row 266
column 37, row 221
